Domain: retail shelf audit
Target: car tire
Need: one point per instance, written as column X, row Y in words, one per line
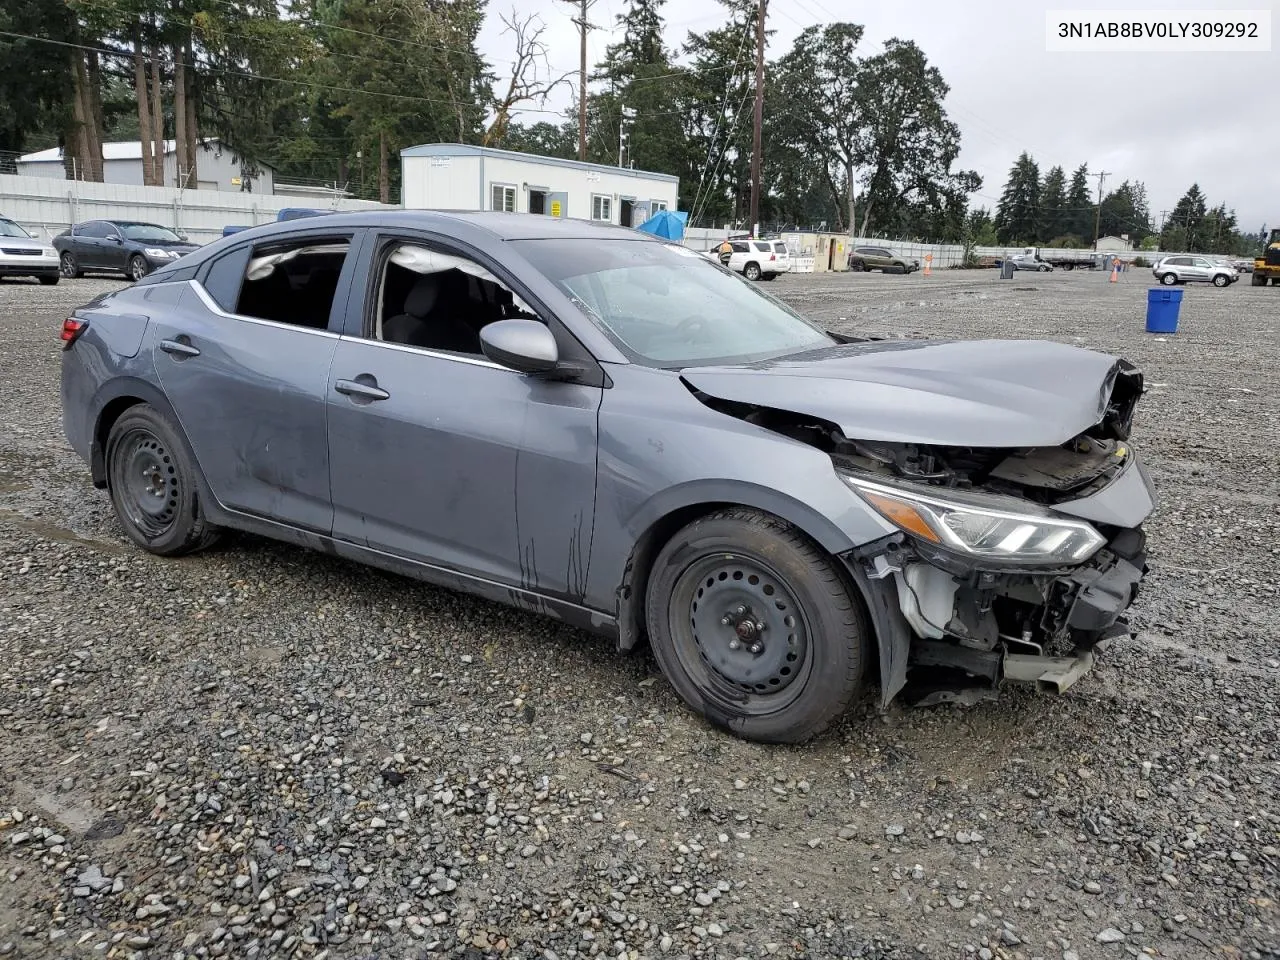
column 857, row 266
column 138, row 267
column 1042, row 269
column 1168, row 279
column 901, row 269
column 710, row 586
column 69, row 266
column 1221, row 280
column 153, row 487
column 751, row 271
column 49, row 281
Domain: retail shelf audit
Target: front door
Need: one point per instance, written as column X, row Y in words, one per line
column 246, row 365
column 443, row 457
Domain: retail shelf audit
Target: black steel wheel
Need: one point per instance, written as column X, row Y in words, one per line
column 153, row 484
column 138, row 267
column 755, row 626
column 69, row 267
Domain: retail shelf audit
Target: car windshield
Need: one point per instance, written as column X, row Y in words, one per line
column 149, row 233
column 10, row 229
column 664, row 305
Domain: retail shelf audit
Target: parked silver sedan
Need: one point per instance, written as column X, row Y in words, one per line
column 1190, row 269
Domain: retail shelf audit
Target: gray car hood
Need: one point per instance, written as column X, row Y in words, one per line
column 972, row 393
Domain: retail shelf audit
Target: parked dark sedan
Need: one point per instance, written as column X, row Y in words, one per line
column 586, row 422
column 118, row 246
column 880, row 258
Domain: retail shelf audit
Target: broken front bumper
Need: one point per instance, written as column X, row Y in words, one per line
column 948, row 630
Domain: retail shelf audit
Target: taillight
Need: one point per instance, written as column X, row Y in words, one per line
column 72, row 328
column 773, row 256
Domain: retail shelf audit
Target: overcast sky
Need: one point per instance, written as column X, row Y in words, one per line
column 1167, row 119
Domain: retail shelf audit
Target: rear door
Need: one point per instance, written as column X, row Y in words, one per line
column 244, row 359
column 88, row 242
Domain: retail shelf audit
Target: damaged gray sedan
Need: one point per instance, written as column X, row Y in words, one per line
column 606, row 428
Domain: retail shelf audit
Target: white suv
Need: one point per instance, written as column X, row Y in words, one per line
column 1171, row 270
column 756, row 259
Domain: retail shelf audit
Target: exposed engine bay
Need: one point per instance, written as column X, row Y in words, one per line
column 975, row 620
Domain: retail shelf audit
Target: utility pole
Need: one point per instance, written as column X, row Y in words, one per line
column 1097, row 215
column 583, row 26
column 759, row 119
column 625, row 119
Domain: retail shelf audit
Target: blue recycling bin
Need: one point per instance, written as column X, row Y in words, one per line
column 1163, row 305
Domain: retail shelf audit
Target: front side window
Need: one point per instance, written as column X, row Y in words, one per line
column 601, row 208
column 293, row 282
column 149, row 233
column 740, row 247
column 10, row 229
column 436, row 300
column 503, row 198
column 666, row 306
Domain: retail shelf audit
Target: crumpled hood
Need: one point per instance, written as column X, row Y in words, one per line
column 963, row 393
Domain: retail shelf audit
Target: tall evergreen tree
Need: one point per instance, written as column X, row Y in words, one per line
column 1053, row 203
column 1018, row 213
column 1184, row 228
column 1078, row 218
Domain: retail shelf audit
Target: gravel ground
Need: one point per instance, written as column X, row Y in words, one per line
column 264, row 752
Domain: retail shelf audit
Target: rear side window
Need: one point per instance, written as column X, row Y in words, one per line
column 761, row 247
column 779, row 247
column 95, row 228
column 293, row 282
column 225, row 276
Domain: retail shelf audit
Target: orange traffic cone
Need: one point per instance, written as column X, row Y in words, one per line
column 1115, row 270
column 928, row 261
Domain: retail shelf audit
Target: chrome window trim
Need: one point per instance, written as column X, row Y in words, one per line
column 213, row 307
column 425, row 352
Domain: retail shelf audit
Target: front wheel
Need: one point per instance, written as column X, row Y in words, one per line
column 1168, row 279
column 137, row 267
column 69, row 267
column 1221, row 280
column 152, row 482
column 756, row 627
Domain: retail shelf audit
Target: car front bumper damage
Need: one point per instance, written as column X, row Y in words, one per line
column 950, row 631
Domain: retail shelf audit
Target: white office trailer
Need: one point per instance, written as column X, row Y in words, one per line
column 455, row 176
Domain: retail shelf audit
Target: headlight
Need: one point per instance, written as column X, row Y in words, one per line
column 49, row 252
column 969, row 524
column 157, row 253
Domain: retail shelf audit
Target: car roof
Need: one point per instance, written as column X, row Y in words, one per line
column 504, row 226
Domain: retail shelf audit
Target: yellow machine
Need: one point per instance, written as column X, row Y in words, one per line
column 1266, row 265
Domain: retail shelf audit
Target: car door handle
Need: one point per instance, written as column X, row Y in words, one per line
column 179, row 348
column 359, row 390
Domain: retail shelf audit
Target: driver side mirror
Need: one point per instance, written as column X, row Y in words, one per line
column 523, row 345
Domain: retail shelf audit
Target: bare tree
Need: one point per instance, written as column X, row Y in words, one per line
column 530, row 74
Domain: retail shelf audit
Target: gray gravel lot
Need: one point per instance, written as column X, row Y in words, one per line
column 263, row 752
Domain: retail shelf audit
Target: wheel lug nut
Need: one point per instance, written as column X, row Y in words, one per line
column 734, row 644
column 741, row 610
column 755, row 648
column 726, row 619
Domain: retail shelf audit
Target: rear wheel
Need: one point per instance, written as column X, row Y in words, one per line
column 751, row 271
column 1258, row 281
column 152, row 482
column 1168, row 279
column 755, row 626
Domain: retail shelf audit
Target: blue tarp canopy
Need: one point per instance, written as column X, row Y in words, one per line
column 666, row 223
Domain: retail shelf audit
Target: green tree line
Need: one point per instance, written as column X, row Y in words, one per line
column 1057, row 211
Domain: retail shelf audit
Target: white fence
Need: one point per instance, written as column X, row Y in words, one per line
column 46, row 206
